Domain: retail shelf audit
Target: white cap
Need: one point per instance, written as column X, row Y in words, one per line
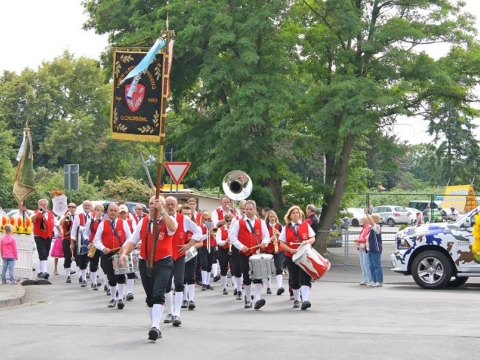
column 123, row 208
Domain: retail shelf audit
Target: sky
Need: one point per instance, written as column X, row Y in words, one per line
column 40, row 30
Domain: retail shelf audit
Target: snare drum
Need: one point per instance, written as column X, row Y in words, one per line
column 190, row 253
column 130, row 265
column 261, row 266
column 82, row 241
column 311, row 261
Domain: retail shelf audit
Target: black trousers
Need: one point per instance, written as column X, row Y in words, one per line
column 245, row 266
column 67, row 253
column 206, row 258
column 94, row 261
column 190, row 266
column 156, row 284
column 224, row 259
column 113, row 279
column 278, row 261
column 178, row 275
column 43, row 247
column 236, row 270
column 297, row 277
column 83, row 261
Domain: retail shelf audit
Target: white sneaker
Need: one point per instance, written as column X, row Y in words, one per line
column 363, row 283
column 369, row 283
column 377, row 284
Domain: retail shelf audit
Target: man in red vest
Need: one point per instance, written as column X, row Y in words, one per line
column 248, row 234
column 43, row 223
column 155, row 278
column 110, row 237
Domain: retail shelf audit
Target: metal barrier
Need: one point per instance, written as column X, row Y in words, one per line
column 347, row 254
column 23, row 266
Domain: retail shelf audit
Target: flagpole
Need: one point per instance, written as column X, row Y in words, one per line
column 167, row 34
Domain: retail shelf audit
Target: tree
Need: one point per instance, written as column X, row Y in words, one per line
column 365, row 70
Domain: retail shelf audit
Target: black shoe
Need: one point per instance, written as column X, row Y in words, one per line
column 105, row 287
column 72, row 272
column 154, row 334
column 204, row 287
column 191, row 305
column 80, row 279
column 88, row 276
column 120, row 305
column 269, row 291
column 235, row 292
column 168, row 319
column 130, row 297
column 46, row 275
column 296, row 304
column 112, row 303
column 108, row 292
column 97, row 284
column 209, row 287
column 239, row 295
column 40, row 275
column 306, row 305
column 259, row 304
column 184, row 304
column 248, row 304
column 225, row 292
column 84, row 284
column 216, row 278
column 176, row 321
column 69, row 280
column 280, row 291
column 94, row 287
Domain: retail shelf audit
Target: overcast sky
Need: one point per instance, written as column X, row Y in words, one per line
column 33, row 31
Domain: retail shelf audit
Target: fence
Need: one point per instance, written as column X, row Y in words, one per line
column 347, row 253
column 23, row 266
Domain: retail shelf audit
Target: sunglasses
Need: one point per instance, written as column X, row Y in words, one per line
column 72, row 206
column 228, row 221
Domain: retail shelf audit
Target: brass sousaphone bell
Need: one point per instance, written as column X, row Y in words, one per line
column 237, row 185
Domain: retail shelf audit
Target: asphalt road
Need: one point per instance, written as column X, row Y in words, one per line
column 346, row 321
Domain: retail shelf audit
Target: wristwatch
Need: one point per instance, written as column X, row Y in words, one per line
column 162, row 212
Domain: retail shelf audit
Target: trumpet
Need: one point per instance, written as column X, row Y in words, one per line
column 229, row 247
column 275, row 239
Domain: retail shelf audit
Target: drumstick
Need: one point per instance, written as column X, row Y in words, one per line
column 253, row 247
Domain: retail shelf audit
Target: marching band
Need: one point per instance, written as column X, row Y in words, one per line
column 251, row 247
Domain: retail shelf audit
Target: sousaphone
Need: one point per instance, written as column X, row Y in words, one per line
column 237, row 185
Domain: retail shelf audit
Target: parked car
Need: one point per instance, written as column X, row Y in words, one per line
column 15, row 212
column 355, row 215
column 413, row 213
column 438, row 255
column 392, row 214
column 130, row 204
column 335, row 239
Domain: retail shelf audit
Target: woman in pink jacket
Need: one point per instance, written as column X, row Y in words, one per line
column 9, row 253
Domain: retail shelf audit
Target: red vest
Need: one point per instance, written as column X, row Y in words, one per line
column 270, row 248
column 163, row 248
column 220, row 212
column 179, row 238
column 224, row 237
column 67, row 227
column 137, row 220
column 109, row 239
column 198, row 217
column 93, row 229
column 292, row 239
column 244, row 234
column 213, row 242
column 48, row 232
column 130, row 224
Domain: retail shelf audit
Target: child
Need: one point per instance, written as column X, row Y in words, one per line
column 9, row 253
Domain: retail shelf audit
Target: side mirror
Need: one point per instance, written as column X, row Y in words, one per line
column 469, row 222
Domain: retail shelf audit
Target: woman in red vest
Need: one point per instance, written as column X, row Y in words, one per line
column 224, row 251
column 295, row 233
column 275, row 248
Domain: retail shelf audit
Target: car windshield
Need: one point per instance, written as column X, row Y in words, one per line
column 400, row 209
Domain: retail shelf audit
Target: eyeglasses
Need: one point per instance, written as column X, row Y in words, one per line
column 207, row 219
column 228, row 221
column 72, row 206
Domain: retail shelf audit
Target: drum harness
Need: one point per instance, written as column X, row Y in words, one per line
column 295, row 232
column 253, row 233
column 117, row 236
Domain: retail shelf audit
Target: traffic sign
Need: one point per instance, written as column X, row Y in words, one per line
column 177, row 170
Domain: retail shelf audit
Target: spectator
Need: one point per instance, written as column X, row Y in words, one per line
column 426, row 214
column 374, row 247
column 9, row 253
column 453, row 214
column 443, row 214
column 361, row 243
column 312, row 218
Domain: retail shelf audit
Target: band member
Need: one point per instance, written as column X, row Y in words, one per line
column 139, row 215
column 156, row 279
column 207, row 252
column 91, row 228
column 123, row 214
column 190, row 266
column 69, row 252
column 235, row 259
column 275, row 248
column 247, row 234
column 43, row 223
column 224, row 251
column 294, row 234
column 218, row 216
column 180, row 244
column 193, row 205
column 77, row 239
column 110, row 237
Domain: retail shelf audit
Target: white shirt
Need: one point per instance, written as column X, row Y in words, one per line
column 97, row 240
column 189, row 225
column 218, row 238
column 76, row 224
column 135, row 237
column 215, row 219
column 236, row 226
column 282, row 236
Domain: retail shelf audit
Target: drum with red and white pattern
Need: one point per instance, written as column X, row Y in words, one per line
column 311, row 261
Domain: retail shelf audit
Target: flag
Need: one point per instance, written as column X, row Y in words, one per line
column 143, row 65
column 170, row 60
column 24, row 183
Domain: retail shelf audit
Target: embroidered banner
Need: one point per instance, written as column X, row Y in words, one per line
column 136, row 115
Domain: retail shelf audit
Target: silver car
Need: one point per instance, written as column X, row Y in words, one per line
column 393, row 214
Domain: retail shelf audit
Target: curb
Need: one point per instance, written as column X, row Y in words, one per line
column 17, row 299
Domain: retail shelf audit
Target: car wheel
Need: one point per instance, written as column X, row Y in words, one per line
column 431, row 270
column 457, row 282
column 355, row 222
column 391, row 222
